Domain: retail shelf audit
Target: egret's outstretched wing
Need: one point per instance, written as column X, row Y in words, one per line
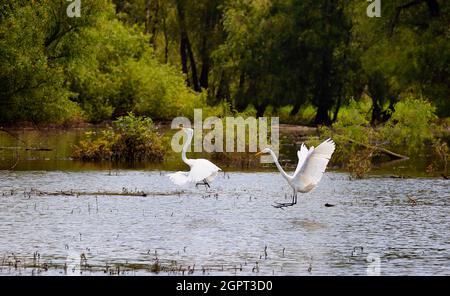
column 202, row 169
column 302, row 154
column 316, row 163
column 179, row 178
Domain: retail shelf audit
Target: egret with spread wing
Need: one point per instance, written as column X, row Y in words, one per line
column 311, row 166
column 202, row 172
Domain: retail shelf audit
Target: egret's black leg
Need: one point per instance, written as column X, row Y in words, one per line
column 282, row 205
column 287, row 204
column 204, row 183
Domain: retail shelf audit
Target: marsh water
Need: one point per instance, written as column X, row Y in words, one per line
column 58, row 218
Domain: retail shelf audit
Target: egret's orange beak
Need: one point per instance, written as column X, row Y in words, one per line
column 259, row 153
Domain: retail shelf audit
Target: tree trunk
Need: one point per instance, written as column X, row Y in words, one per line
column 378, row 90
column 240, row 103
column 185, row 47
column 376, row 112
column 223, row 91
column 260, row 109
column 195, row 84
column 322, row 116
column 386, row 115
column 183, row 56
column 204, row 50
column 166, row 40
column 205, row 66
column 323, row 94
column 296, row 108
column 336, row 111
column 151, row 19
column 204, row 74
column 154, row 24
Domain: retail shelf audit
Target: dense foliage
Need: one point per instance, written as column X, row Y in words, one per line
column 162, row 58
column 55, row 69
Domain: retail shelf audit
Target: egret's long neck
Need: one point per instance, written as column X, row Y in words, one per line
column 185, row 148
column 275, row 159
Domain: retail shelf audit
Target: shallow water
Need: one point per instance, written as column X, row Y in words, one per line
column 225, row 230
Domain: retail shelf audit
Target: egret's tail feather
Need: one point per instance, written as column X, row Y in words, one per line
column 179, row 178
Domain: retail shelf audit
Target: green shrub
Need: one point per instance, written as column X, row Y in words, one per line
column 352, row 123
column 284, row 114
column 133, row 139
column 269, row 111
column 360, row 163
column 410, row 125
column 307, row 114
column 250, row 111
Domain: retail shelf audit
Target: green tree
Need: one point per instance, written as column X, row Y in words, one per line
column 55, row 68
column 405, row 50
column 288, row 52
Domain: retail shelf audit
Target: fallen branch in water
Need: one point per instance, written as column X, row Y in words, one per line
column 12, row 135
column 22, row 141
column 15, row 163
column 103, row 193
column 380, row 149
column 26, row 148
column 73, row 193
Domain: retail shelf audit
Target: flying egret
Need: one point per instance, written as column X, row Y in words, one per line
column 310, row 168
column 202, row 170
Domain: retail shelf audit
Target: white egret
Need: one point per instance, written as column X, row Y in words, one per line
column 202, row 172
column 310, row 168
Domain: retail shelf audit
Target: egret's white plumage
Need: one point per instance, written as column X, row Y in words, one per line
column 179, row 178
column 202, row 170
column 310, row 168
